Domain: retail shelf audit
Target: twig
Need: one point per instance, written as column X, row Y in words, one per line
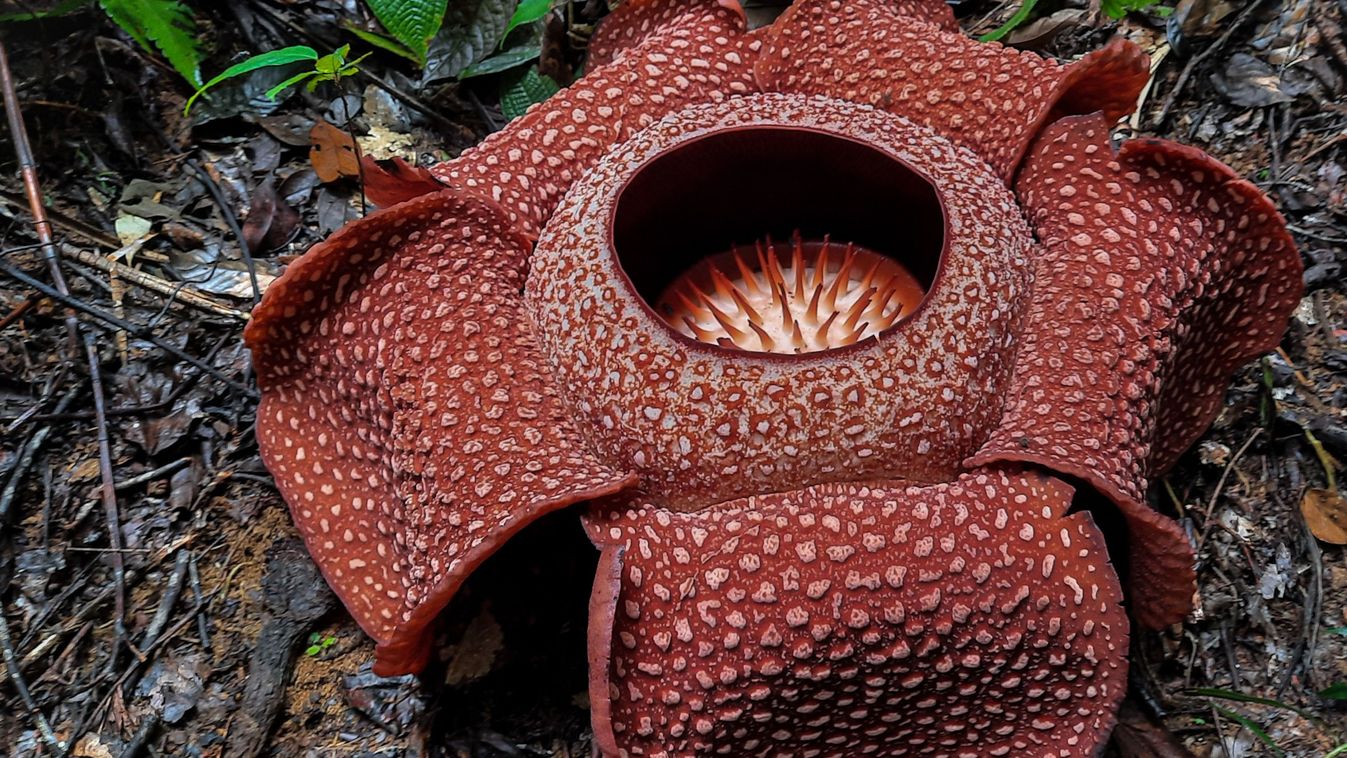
column 169, row 599
column 108, row 492
column 152, row 474
column 28, row 167
column 26, row 460
column 73, row 225
column 135, row 330
column 1188, row 68
column 16, row 679
column 198, row 597
column 18, row 311
column 182, row 293
column 232, row 221
column 1220, row 486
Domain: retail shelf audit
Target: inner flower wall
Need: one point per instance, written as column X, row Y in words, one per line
column 911, row 403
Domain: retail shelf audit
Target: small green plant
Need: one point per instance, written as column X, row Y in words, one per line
column 332, row 67
column 1116, row 9
column 318, row 644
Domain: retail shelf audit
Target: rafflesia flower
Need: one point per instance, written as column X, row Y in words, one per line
column 842, row 330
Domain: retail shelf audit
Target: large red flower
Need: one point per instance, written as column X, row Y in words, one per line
column 841, row 327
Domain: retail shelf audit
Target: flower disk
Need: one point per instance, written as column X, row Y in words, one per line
column 823, row 296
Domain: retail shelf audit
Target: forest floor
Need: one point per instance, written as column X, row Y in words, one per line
column 236, row 646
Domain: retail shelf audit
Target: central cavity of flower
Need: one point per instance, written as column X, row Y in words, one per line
column 819, row 296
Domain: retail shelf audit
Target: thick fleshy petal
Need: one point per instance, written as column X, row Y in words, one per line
column 984, row 96
column 387, row 183
column 705, row 424
column 404, row 413
column 1162, row 272
column 527, row 166
column 973, row 618
column 635, row 21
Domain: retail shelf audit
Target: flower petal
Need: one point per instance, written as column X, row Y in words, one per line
column 859, row 619
column 1162, row 272
column 635, row 21
column 404, row 414
column 527, row 166
column 984, row 96
column 387, row 183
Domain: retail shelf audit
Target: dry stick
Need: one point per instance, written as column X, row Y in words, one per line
column 108, row 492
column 176, row 292
column 152, row 474
column 138, row 331
column 1220, row 487
column 28, row 167
column 169, row 599
column 233, row 222
column 16, row 679
column 1196, row 59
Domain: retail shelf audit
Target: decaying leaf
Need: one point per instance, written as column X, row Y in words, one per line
column 332, row 152
column 1325, row 512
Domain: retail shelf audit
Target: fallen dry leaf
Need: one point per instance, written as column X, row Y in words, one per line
column 332, row 152
column 1325, row 512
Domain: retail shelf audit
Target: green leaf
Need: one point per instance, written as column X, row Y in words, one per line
column 167, row 24
column 283, row 57
column 1336, row 691
column 382, row 42
column 312, row 650
column 411, row 22
column 1240, row 697
column 1116, row 9
column 527, row 12
column 61, row 9
column 288, row 83
column 502, row 62
column 519, row 92
column 1252, row 726
column 472, row 29
column 1020, row 16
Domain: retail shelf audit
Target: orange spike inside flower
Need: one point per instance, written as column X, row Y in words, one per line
column 815, row 296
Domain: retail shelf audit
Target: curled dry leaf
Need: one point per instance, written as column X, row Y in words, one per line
column 332, row 152
column 1325, row 512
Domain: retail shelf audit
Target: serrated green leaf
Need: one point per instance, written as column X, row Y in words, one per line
column 501, row 62
column 381, row 42
column 163, row 24
column 472, row 29
column 518, row 93
column 411, row 22
column 283, row 57
column 527, row 12
column 1020, row 16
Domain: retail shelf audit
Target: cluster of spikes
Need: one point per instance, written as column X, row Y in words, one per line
column 822, row 296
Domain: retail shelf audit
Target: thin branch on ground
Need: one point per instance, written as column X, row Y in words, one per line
column 138, row 331
column 232, row 221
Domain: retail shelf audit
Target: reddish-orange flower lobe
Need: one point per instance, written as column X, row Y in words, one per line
column 831, row 478
column 860, row 620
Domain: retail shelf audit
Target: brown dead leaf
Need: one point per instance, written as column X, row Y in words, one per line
column 474, row 655
column 1325, row 512
column 332, row 152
